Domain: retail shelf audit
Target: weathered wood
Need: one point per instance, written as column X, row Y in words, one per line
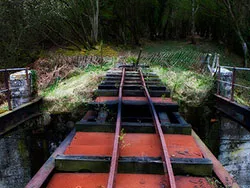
column 132, row 87
column 131, row 79
column 114, row 92
column 132, row 75
column 168, row 107
column 132, row 127
column 144, row 165
column 115, row 82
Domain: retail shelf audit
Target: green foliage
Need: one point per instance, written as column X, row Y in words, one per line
column 52, row 87
column 131, row 59
column 30, row 27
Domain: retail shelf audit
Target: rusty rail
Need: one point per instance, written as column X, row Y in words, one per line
column 115, row 154
column 7, row 88
column 232, row 83
column 166, row 160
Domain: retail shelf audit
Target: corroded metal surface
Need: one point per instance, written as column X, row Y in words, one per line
column 124, row 181
column 115, row 154
column 166, row 160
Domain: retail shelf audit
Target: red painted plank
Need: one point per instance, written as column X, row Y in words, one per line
column 133, row 144
column 93, row 180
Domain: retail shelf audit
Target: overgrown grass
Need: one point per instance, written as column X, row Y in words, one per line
column 66, row 95
column 186, row 85
column 178, row 62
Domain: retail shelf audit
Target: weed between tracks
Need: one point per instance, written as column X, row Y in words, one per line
column 122, row 141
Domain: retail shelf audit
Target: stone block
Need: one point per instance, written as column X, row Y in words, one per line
column 20, row 89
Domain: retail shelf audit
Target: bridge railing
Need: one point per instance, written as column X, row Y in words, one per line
column 232, row 81
column 7, row 89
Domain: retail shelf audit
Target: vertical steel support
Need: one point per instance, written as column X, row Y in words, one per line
column 6, row 80
column 233, row 82
column 115, row 154
column 27, row 80
column 218, row 82
column 166, row 160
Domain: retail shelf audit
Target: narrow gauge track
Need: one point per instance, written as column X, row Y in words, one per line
column 137, row 139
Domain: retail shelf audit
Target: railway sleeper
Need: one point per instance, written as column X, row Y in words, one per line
column 132, row 75
column 127, row 92
column 131, row 82
column 135, row 165
column 132, row 87
column 130, row 79
column 133, row 127
column 112, row 105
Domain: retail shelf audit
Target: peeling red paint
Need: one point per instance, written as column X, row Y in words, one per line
column 94, row 180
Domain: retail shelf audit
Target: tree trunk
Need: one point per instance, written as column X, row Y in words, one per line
column 195, row 8
column 238, row 31
column 94, row 20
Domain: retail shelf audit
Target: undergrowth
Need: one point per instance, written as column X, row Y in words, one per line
column 66, row 95
column 186, row 85
column 98, row 50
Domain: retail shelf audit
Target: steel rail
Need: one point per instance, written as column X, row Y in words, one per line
column 166, row 160
column 230, row 83
column 236, row 68
column 115, row 154
column 3, row 90
column 12, row 69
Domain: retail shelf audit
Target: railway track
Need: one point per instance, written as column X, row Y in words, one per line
column 133, row 136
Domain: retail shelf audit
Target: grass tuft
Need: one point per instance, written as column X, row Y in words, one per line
column 66, row 95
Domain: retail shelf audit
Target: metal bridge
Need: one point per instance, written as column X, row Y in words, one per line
column 132, row 136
